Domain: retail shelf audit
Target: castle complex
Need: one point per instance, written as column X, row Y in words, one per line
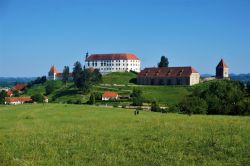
column 125, row 62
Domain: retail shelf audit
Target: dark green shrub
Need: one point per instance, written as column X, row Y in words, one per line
column 91, row 99
column 174, row 109
column 155, row 107
column 115, row 105
column 39, row 98
column 3, row 94
column 193, row 105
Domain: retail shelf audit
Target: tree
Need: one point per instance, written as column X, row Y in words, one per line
column 164, row 62
column 16, row 93
column 193, row 105
column 82, row 78
column 91, row 99
column 39, row 98
column 248, row 88
column 136, row 93
column 49, row 88
column 137, row 99
column 3, row 94
column 221, row 97
column 38, row 80
column 96, row 76
column 78, row 75
column 65, row 75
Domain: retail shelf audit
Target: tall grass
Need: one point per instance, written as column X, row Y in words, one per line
column 84, row 135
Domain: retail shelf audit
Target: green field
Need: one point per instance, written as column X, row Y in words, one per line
column 56, row 134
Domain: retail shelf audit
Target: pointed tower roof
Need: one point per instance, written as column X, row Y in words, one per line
column 53, row 69
column 222, row 64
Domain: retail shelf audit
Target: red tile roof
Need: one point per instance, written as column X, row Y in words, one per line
column 53, row 69
column 118, row 56
column 19, row 87
column 18, row 99
column 167, row 72
column 9, row 93
column 109, row 94
column 222, row 64
column 60, row 74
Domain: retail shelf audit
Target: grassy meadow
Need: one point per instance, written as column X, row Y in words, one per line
column 56, row 134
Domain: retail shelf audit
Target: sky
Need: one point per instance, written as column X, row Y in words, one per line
column 35, row 34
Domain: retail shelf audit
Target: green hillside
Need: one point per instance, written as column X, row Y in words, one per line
column 162, row 94
column 54, row 134
column 118, row 82
column 62, row 93
column 119, row 78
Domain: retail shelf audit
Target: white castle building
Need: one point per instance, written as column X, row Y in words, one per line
column 107, row 63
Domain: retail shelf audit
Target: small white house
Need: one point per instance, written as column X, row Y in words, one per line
column 109, row 96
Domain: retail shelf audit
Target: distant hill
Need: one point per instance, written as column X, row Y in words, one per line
column 11, row 81
column 240, row 77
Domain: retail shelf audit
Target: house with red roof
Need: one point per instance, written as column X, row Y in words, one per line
column 115, row 62
column 18, row 100
column 19, row 87
column 109, row 96
column 168, row 76
column 54, row 74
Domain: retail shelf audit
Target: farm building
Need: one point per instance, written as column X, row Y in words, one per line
column 109, row 96
column 107, row 63
column 17, row 100
column 168, row 76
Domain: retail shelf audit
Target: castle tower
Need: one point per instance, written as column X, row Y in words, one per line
column 52, row 73
column 222, row 70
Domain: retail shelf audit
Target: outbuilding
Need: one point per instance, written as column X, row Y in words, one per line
column 109, row 96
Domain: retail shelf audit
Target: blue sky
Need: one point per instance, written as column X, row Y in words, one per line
column 34, row 34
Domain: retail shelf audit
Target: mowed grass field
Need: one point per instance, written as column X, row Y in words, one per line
column 56, row 134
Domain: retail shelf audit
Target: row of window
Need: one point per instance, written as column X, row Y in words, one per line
column 109, row 64
column 123, row 69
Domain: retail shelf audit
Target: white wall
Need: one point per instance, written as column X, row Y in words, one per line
column 107, row 66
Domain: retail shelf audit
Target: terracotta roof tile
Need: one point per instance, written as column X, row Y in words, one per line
column 9, row 93
column 117, row 56
column 53, row 69
column 109, row 94
column 19, row 87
